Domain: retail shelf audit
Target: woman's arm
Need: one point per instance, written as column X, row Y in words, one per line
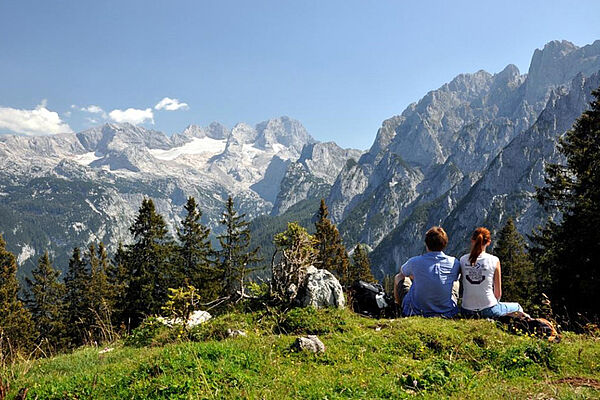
column 498, row 282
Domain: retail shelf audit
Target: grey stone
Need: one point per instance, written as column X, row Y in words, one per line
column 321, row 288
column 233, row 333
column 310, row 343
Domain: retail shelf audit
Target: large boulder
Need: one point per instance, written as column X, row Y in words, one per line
column 321, row 288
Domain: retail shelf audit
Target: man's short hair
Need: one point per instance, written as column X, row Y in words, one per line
column 436, row 239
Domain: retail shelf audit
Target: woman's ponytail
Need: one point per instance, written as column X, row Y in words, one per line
column 481, row 237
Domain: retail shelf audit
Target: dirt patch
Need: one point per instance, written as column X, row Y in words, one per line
column 578, row 381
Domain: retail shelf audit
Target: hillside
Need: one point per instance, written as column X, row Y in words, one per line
column 364, row 358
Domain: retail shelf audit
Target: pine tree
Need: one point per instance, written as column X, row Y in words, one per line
column 518, row 273
column 361, row 267
column 196, row 264
column 332, row 254
column 76, row 285
column 16, row 327
column 45, row 302
column 235, row 257
column 565, row 251
column 148, row 264
column 99, row 296
column 118, row 280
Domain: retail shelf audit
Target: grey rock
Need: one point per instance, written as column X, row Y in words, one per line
column 310, row 343
column 321, row 289
column 233, row 333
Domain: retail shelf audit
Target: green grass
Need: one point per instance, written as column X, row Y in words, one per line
column 364, row 359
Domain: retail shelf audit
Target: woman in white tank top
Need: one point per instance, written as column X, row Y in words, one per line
column 482, row 280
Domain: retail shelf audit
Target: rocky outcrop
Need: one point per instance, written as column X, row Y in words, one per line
column 313, row 174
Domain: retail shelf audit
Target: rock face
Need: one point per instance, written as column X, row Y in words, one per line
column 313, row 174
column 321, row 289
column 429, row 165
column 310, row 343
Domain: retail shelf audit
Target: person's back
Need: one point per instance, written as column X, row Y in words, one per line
column 482, row 280
column 478, row 281
column 430, row 294
column 427, row 280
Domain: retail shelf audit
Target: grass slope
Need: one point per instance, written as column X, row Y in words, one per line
column 365, row 359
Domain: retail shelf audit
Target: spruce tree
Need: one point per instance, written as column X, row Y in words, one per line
column 235, row 257
column 195, row 264
column 148, row 264
column 16, row 327
column 518, row 273
column 332, row 254
column 118, row 280
column 45, row 301
column 76, row 285
column 566, row 250
column 99, row 295
column 361, row 267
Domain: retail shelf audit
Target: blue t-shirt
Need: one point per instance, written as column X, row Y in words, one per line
column 431, row 291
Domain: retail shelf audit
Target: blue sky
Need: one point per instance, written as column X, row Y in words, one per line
column 340, row 67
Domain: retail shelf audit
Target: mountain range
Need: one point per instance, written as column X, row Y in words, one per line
column 469, row 153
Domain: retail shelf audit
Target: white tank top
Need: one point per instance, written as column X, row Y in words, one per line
column 478, row 282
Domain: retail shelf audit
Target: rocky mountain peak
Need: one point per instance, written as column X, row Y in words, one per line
column 217, row 131
column 557, row 64
column 283, row 131
column 470, row 85
column 241, row 134
column 194, row 131
column 508, row 75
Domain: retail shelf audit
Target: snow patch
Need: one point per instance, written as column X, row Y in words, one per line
column 278, row 148
column 89, row 203
column 78, row 226
column 87, row 158
column 195, row 146
column 26, row 253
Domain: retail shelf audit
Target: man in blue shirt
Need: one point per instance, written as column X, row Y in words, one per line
column 432, row 275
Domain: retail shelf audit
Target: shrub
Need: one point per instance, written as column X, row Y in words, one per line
column 312, row 321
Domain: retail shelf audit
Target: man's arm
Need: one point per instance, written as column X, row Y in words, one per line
column 397, row 280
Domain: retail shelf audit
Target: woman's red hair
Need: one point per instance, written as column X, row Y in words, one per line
column 481, row 237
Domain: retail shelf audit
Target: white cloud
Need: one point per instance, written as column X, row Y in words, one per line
column 93, row 109
column 170, row 105
column 39, row 121
column 132, row 115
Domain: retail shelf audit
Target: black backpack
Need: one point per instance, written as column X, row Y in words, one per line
column 370, row 299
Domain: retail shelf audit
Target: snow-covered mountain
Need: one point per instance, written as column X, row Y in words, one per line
column 61, row 191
